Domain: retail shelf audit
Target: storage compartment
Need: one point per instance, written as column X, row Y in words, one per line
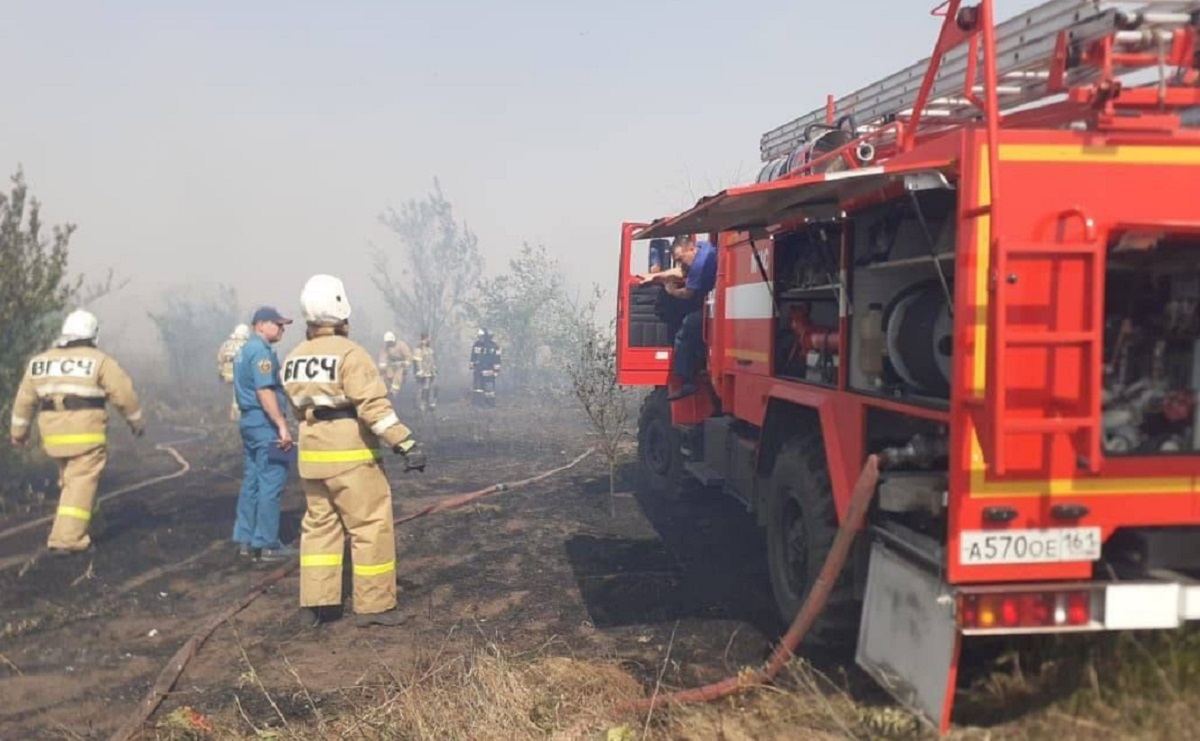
column 808, row 292
column 1152, row 345
column 903, row 262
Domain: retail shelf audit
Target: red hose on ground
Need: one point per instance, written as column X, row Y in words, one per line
column 864, row 490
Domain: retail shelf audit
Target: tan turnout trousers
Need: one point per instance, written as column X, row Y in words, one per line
column 361, row 500
column 78, row 479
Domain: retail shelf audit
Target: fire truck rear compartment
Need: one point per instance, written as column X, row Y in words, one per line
column 1152, row 345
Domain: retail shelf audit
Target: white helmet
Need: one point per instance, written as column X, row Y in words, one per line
column 241, row 332
column 482, row 332
column 389, row 336
column 324, row 300
column 79, row 325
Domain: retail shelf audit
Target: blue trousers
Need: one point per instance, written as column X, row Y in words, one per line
column 257, row 523
column 689, row 347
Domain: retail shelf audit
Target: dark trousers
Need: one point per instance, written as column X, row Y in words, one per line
column 689, row 347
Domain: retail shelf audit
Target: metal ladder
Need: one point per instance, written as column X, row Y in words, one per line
column 1026, row 48
column 1089, row 337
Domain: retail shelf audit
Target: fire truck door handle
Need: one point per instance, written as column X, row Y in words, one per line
column 1089, row 224
column 744, row 361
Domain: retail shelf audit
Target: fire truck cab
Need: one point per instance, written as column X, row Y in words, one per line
column 984, row 270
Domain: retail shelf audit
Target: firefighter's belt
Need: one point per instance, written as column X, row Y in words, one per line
column 339, row 456
column 73, row 403
column 328, row 414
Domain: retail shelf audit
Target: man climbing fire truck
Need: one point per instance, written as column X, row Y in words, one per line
column 966, row 294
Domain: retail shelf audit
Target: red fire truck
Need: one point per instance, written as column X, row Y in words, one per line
column 984, row 269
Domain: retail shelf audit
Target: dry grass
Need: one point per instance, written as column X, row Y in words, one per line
column 483, row 694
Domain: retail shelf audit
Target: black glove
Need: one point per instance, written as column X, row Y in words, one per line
column 414, row 455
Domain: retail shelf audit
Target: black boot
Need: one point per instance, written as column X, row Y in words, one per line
column 390, row 618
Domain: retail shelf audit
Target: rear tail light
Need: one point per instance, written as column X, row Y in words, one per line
column 1000, row 612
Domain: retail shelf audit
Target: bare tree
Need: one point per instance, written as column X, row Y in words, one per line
column 593, row 373
column 440, row 266
column 192, row 325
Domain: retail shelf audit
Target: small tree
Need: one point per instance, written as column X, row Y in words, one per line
column 35, row 289
column 439, row 268
column 593, row 373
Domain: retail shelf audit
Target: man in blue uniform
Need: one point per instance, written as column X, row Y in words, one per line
column 266, row 439
column 690, row 281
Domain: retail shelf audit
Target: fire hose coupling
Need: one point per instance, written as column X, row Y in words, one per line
column 921, row 450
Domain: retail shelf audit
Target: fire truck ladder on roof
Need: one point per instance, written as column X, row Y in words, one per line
column 1035, row 58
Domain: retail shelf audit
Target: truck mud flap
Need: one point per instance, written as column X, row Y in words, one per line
column 908, row 639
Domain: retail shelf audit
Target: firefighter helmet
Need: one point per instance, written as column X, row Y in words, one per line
column 79, row 325
column 389, row 337
column 324, row 300
column 241, row 332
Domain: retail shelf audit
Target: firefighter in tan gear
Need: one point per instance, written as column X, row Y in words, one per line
column 68, row 387
column 225, row 355
column 425, row 369
column 394, row 361
column 341, row 402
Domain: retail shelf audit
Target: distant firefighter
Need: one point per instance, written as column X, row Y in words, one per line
column 425, row 369
column 485, row 365
column 394, row 361
column 341, row 402
column 69, row 387
column 225, row 355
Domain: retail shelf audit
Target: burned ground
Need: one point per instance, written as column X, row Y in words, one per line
column 530, row 613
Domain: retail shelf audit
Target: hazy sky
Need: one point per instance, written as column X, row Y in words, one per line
column 255, row 143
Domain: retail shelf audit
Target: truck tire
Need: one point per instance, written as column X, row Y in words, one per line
column 801, row 525
column 660, row 456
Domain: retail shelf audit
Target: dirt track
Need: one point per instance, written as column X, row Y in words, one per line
column 548, row 570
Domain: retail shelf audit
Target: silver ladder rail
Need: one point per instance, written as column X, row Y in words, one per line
column 1025, row 46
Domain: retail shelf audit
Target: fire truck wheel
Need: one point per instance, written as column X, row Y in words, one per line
column 660, row 458
column 801, row 527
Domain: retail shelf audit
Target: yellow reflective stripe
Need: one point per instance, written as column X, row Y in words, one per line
column 321, row 559
column 90, row 437
column 374, row 569
column 76, row 512
column 338, row 456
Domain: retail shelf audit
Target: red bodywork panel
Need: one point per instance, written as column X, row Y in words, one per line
column 1057, row 190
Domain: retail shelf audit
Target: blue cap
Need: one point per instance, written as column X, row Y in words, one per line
column 269, row 314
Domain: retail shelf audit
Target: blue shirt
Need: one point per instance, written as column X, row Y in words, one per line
column 702, row 275
column 255, row 367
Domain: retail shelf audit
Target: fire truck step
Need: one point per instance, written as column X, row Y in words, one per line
column 1050, row 249
column 1052, row 424
column 703, row 473
column 1044, row 339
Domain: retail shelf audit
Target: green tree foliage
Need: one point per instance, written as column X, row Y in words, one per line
column 192, row 325
column 439, row 267
column 527, row 308
column 34, row 286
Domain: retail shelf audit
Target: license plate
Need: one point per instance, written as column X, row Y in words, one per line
column 1055, row 545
